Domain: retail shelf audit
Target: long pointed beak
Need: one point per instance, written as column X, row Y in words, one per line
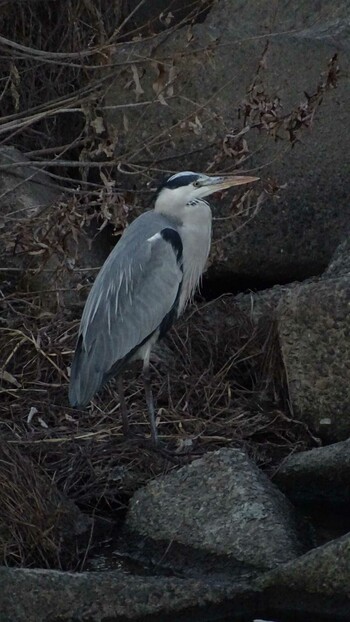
column 221, row 183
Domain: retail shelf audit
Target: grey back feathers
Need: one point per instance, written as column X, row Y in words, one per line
column 147, row 280
column 134, row 297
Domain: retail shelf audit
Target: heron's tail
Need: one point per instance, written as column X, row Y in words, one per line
column 85, row 379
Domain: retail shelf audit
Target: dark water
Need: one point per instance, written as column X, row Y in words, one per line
column 273, row 616
column 256, row 615
column 316, row 610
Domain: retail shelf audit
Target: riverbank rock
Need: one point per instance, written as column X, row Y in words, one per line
column 314, row 330
column 40, row 250
column 48, row 595
column 24, row 193
column 313, row 326
column 324, row 571
column 221, row 503
column 187, row 87
column 340, row 262
column 262, row 305
column 317, row 475
column 24, row 189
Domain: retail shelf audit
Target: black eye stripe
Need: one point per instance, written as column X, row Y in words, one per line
column 181, row 180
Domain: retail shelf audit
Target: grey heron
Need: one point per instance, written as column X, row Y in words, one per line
column 144, row 285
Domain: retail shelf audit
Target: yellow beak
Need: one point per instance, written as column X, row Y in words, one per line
column 221, row 183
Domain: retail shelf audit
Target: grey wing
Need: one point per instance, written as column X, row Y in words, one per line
column 136, row 289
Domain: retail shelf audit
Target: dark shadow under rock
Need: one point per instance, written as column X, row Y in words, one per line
column 321, row 474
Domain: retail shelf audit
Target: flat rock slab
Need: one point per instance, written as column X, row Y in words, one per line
column 52, row 596
column 221, row 503
column 321, row 474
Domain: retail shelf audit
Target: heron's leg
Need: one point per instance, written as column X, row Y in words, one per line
column 123, row 410
column 149, row 400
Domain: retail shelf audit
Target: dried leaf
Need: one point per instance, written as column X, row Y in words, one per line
column 15, row 84
column 166, row 19
column 136, row 78
column 39, row 252
column 162, row 100
column 189, row 35
column 7, row 377
column 125, row 123
column 108, row 183
column 263, row 59
column 98, row 125
column 196, row 126
column 171, row 79
column 31, row 413
column 159, row 84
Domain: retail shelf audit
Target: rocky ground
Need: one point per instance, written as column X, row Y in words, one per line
column 244, row 511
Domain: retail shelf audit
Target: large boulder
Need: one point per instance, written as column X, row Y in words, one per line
column 40, row 250
column 262, row 304
column 187, row 87
column 314, row 328
column 24, row 189
column 221, row 503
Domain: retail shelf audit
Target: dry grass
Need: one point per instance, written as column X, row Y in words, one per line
column 37, row 524
column 214, row 387
column 217, row 383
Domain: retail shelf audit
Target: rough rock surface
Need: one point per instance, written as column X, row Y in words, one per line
column 321, row 474
column 221, row 503
column 324, row 570
column 24, row 193
column 313, row 324
column 340, row 262
column 314, row 330
column 24, row 189
column 294, row 237
column 263, row 304
column 49, row 596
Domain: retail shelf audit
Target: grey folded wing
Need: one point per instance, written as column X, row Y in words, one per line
column 135, row 294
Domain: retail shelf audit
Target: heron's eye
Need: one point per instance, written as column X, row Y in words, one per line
column 196, row 184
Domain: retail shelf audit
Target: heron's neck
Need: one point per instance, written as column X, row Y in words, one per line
column 195, row 231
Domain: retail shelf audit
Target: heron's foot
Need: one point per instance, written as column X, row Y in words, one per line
column 163, row 449
column 167, row 450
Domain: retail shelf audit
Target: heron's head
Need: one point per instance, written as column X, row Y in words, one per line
column 187, row 188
